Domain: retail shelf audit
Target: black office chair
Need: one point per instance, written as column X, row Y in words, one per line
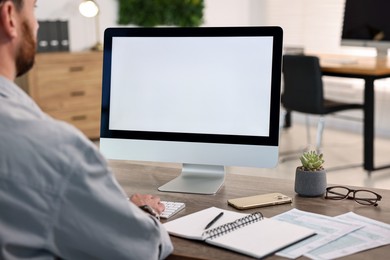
column 304, row 92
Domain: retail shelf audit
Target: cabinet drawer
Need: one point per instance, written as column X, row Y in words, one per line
column 87, row 119
column 69, row 96
column 52, row 75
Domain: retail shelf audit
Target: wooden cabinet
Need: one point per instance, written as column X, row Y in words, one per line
column 68, row 87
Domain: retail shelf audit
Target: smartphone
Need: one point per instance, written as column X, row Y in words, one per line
column 259, row 201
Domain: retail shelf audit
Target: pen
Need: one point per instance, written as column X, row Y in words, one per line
column 214, row 220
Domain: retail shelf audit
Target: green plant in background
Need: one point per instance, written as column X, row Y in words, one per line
column 312, row 161
column 149, row 13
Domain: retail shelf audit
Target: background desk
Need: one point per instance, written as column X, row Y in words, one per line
column 369, row 69
column 146, row 179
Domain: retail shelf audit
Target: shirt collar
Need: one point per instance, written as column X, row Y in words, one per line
column 9, row 89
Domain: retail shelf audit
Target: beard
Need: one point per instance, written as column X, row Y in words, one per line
column 26, row 53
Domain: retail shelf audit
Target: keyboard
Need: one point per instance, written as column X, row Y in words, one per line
column 171, row 208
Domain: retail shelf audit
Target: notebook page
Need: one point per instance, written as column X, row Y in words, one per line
column 261, row 238
column 192, row 226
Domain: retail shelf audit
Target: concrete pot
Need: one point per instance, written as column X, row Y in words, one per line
column 310, row 184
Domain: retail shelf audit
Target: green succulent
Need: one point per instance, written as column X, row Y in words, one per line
column 312, row 161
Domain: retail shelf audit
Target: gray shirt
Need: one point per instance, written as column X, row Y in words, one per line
column 57, row 196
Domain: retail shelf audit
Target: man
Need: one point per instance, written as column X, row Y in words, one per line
column 57, row 197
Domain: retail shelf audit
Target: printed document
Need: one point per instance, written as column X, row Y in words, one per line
column 373, row 234
column 327, row 229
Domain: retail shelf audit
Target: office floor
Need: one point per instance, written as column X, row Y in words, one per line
column 340, row 149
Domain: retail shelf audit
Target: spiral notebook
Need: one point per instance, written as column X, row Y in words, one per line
column 251, row 235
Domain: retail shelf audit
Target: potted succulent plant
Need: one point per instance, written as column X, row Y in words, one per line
column 310, row 178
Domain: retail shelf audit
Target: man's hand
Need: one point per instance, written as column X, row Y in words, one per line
column 147, row 199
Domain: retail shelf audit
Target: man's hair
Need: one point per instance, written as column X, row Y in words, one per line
column 17, row 3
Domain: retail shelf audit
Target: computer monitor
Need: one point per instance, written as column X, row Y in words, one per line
column 205, row 97
column 367, row 24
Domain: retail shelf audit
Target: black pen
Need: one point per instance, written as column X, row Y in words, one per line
column 214, row 220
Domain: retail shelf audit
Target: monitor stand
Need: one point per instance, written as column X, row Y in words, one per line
column 381, row 52
column 198, row 179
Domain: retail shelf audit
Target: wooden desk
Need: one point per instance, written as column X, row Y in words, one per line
column 369, row 69
column 146, row 179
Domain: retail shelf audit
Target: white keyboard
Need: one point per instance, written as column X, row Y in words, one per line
column 171, row 208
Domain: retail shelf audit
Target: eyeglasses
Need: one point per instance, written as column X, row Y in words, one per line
column 364, row 197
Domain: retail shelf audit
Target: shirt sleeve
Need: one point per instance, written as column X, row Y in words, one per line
column 95, row 219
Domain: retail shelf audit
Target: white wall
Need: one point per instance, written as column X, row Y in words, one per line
column 82, row 30
column 312, row 24
column 234, row 12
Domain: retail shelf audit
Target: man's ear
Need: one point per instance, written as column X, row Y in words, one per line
column 8, row 19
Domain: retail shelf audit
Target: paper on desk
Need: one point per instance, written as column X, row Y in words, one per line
column 256, row 237
column 327, row 228
column 373, row 234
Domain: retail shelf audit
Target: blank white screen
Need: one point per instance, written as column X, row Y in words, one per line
column 210, row 85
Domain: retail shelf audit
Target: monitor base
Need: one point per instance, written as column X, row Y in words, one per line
column 382, row 52
column 198, row 179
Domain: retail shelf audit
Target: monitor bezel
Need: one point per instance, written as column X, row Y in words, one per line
column 271, row 140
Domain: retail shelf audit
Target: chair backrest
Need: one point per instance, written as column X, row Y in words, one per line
column 303, row 87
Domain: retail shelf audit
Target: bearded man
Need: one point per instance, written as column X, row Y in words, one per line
column 58, row 199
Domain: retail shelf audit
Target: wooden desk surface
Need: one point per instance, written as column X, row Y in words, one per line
column 354, row 65
column 147, row 178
